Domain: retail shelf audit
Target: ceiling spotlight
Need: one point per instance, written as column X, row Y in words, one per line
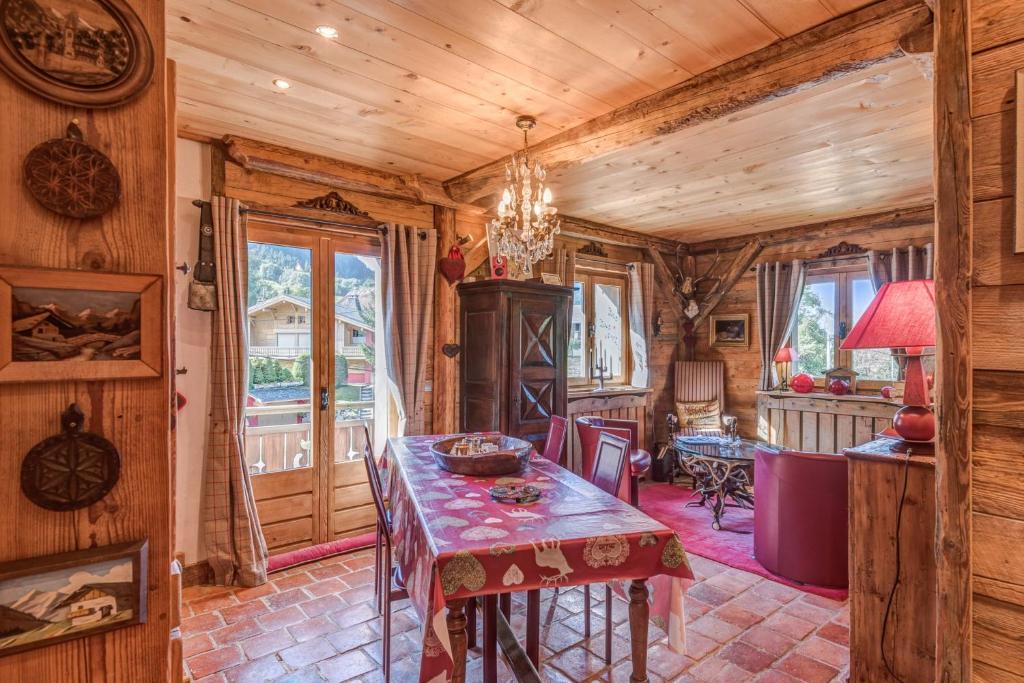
column 327, row 31
column 282, row 84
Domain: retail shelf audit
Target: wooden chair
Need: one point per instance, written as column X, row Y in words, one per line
column 609, row 466
column 701, row 380
column 590, row 428
column 390, row 584
column 554, row 447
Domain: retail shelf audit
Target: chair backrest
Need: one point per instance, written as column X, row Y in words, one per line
column 376, row 492
column 590, row 430
column 609, row 463
column 700, row 380
column 555, row 445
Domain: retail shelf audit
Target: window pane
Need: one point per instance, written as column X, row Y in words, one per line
column 815, row 328
column 277, row 413
column 356, row 291
column 608, row 328
column 577, row 366
column 870, row 363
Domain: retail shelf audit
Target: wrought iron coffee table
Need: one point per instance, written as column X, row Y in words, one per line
column 721, row 472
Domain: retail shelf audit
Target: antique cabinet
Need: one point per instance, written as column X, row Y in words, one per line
column 515, row 345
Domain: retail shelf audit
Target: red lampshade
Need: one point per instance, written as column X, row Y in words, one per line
column 785, row 355
column 901, row 315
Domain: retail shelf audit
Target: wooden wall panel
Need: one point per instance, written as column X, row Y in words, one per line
column 998, row 320
column 133, row 414
column 820, row 425
column 630, row 407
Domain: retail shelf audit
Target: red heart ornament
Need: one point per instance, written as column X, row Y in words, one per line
column 453, row 266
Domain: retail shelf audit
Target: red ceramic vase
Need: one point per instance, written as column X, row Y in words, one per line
column 914, row 423
column 802, row 383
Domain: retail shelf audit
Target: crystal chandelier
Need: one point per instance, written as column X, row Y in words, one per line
column 525, row 228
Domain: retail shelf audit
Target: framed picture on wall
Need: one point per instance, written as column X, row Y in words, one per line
column 730, row 331
column 47, row 600
column 78, row 325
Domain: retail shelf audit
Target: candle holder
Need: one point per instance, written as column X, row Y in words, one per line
column 599, row 373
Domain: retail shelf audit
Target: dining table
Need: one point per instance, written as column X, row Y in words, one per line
column 453, row 542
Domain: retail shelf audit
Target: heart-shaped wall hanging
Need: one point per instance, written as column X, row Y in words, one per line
column 451, row 350
column 453, row 266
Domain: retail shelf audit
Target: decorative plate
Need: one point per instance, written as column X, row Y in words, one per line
column 72, row 178
column 72, row 470
column 86, row 53
column 516, row 494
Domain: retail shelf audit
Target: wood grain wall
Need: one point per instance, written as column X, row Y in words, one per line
column 133, row 414
column 743, row 366
column 998, row 327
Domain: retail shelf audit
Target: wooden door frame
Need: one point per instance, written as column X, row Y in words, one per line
column 953, row 390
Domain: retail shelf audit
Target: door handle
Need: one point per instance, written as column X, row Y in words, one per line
column 325, row 399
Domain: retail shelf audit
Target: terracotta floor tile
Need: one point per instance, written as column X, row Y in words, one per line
column 346, row 666
column 254, row 592
column 252, row 608
column 825, row 651
column 717, row 670
column 730, row 582
column 352, row 637
column 213, row 602
column 806, row 669
column 698, row 646
column 247, row 628
column 202, row 622
column 277, row 619
column 715, row 628
column 802, row 610
column 747, row 657
column 332, row 586
column 215, row 660
column 258, row 671
column 787, row 624
column 197, row 644
column 837, row 633
column 299, row 580
column 694, row 608
column 307, row 629
column 355, row 596
column 321, row 605
column 776, row 591
column 362, row 577
column 310, row 652
column 355, row 563
column 329, row 571
column 284, row 599
column 354, row 614
column 266, row 643
column 758, row 604
column 822, row 601
column 578, row 663
column 768, row 640
column 712, row 595
column 775, row 676
column 737, row 616
column 666, row 663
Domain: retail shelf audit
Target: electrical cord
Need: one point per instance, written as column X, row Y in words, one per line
column 889, row 666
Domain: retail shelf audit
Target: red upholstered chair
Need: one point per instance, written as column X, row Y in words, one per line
column 555, row 445
column 801, row 516
column 590, row 428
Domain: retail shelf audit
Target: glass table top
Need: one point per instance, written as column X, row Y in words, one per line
column 743, row 449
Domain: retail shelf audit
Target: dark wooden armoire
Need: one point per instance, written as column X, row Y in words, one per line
column 515, row 346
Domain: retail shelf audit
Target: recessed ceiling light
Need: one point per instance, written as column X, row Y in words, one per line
column 327, row 31
column 282, row 84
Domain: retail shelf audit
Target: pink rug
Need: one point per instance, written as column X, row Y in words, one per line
column 732, row 546
column 317, row 552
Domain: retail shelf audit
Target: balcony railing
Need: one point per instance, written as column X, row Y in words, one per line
column 276, row 448
column 355, row 351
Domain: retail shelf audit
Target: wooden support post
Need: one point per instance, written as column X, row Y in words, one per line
column 445, row 380
column 639, row 614
column 953, row 391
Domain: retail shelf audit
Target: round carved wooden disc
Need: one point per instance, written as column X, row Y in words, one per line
column 70, row 471
column 72, row 178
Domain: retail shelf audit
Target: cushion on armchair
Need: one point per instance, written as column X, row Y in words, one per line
column 699, row 415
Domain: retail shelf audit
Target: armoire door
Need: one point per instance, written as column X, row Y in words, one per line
column 538, row 346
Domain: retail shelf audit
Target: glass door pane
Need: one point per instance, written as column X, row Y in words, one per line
column 814, row 338
column 357, row 375
column 870, row 363
column 577, row 335
column 281, row 379
column 608, row 327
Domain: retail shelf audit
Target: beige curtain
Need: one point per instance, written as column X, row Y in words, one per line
column 779, row 288
column 237, row 551
column 912, row 263
column 641, row 307
column 408, row 257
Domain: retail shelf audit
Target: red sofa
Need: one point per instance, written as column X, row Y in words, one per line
column 801, row 526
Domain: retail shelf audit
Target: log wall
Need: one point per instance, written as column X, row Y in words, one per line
column 135, row 415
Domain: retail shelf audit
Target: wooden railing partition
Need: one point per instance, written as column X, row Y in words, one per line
column 819, row 423
column 622, row 405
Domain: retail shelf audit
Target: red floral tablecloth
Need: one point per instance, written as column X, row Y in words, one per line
column 453, row 541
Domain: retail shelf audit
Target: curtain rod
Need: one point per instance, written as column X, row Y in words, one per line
column 821, row 260
column 379, row 229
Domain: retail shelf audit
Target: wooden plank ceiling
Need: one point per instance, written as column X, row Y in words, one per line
column 433, row 87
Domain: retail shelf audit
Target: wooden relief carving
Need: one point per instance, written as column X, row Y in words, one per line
column 333, row 202
column 72, row 178
column 843, row 249
column 592, row 249
column 71, row 470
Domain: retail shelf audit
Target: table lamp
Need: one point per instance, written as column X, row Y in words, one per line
column 902, row 316
column 783, row 358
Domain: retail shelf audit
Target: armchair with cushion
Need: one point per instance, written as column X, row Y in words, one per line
column 801, row 516
column 589, row 430
column 700, row 397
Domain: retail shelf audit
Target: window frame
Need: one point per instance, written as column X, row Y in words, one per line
column 842, row 276
column 590, row 277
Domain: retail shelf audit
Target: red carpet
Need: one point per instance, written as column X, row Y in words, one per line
column 316, row 552
column 732, row 546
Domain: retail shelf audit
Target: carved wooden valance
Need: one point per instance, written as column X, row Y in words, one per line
column 333, row 202
column 592, row 249
column 843, row 249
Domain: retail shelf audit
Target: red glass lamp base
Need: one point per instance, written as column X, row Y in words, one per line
column 914, row 423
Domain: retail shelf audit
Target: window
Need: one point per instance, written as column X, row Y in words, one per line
column 302, row 320
column 358, row 337
column 598, row 329
column 831, row 305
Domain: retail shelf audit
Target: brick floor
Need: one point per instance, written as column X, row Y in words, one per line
column 317, row 624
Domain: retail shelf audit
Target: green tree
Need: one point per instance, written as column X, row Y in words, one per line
column 340, row 370
column 814, row 331
column 301, row 369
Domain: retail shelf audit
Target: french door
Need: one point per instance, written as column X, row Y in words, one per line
column 313, row 324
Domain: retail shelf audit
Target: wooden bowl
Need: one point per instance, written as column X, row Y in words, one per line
column 511, row 457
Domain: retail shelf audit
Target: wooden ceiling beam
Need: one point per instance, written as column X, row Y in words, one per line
column 599, row 232
column 834, row 49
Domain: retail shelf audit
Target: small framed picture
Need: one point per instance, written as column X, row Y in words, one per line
column 78, row 325
column 730, row 331
column 47, row 600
